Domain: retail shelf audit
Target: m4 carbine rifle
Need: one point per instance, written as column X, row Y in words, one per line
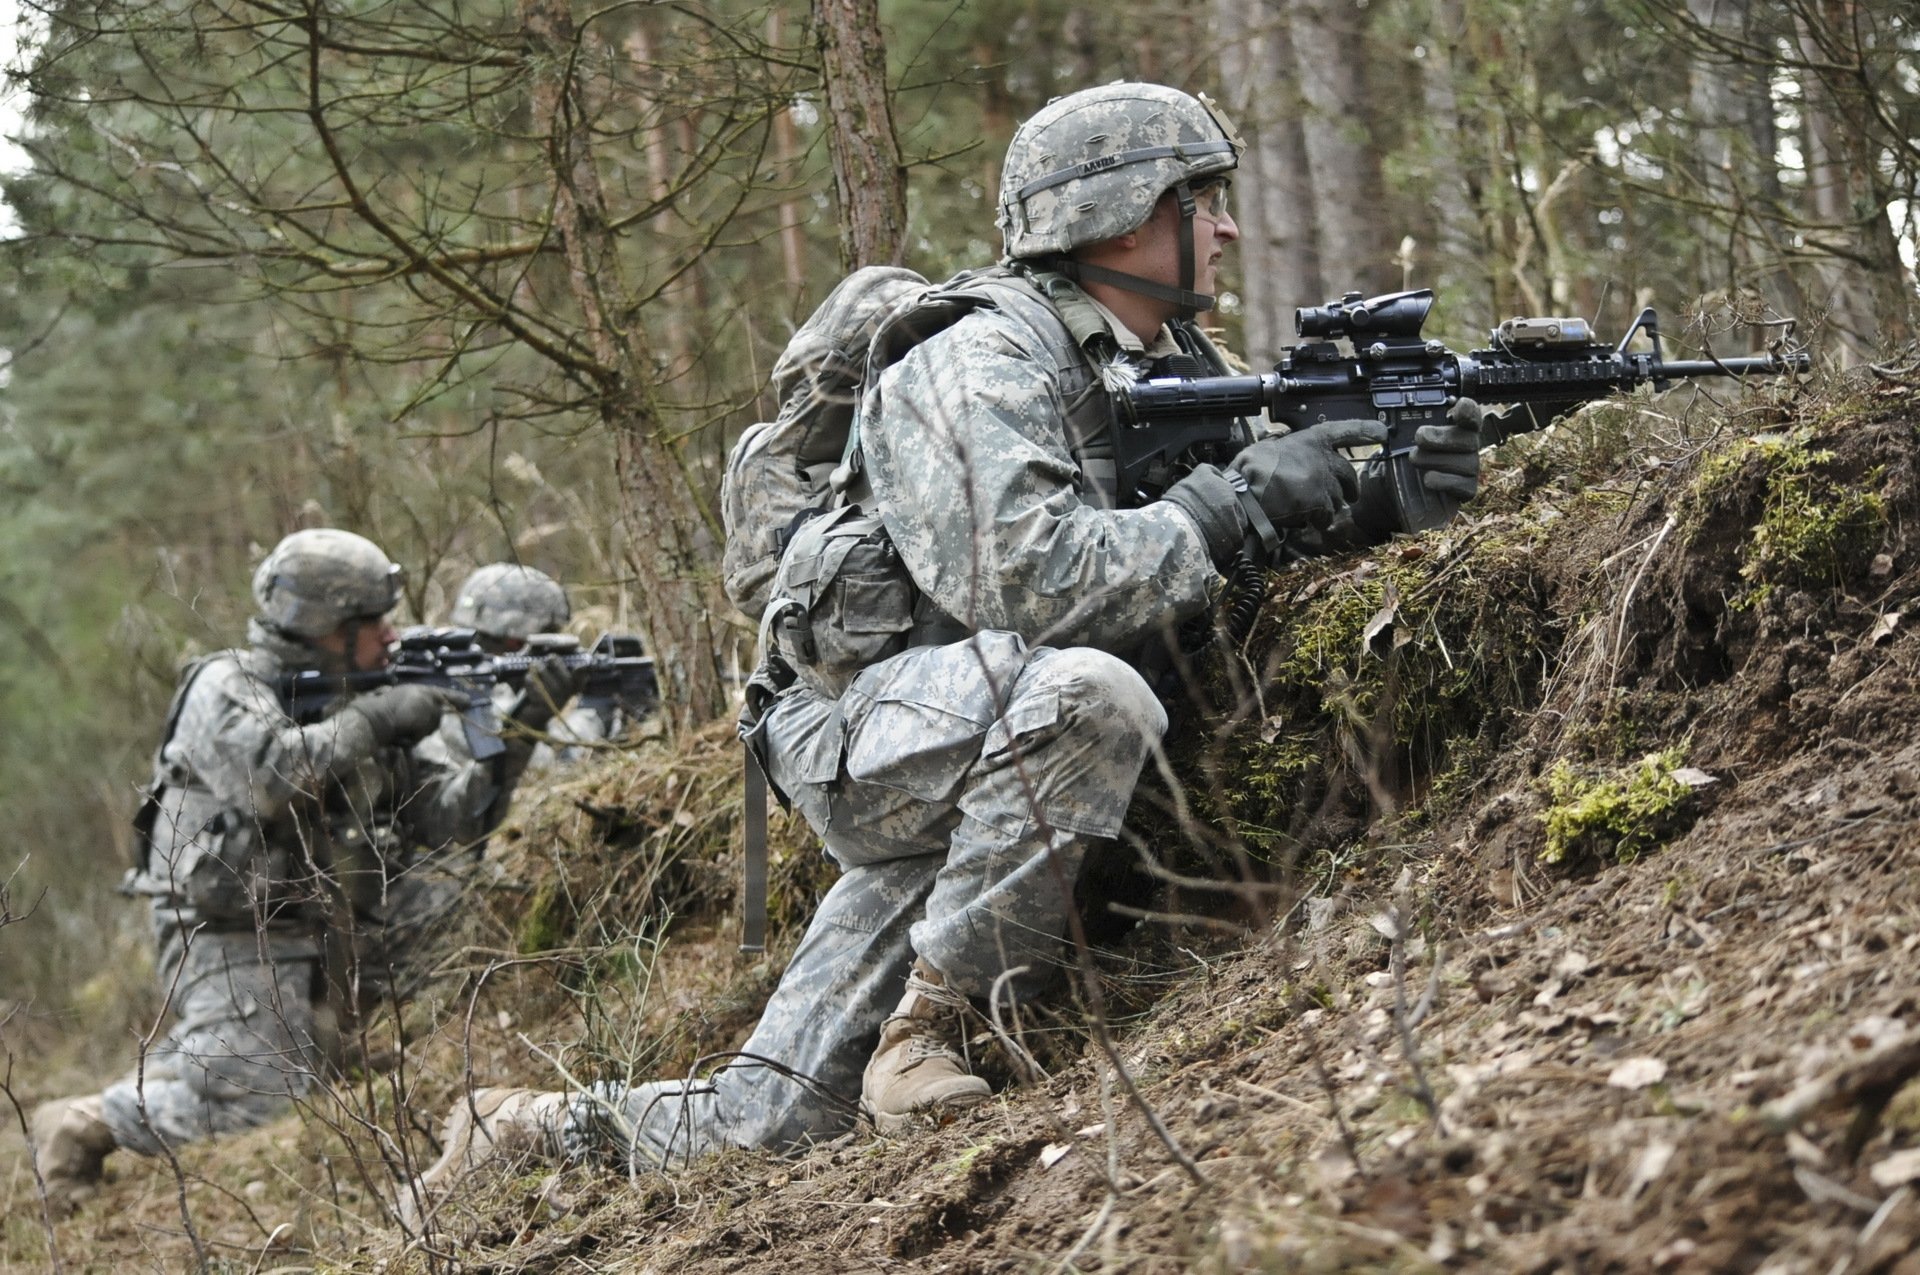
column 1545, row 367
column 617, row 672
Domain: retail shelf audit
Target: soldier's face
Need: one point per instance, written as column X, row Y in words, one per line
column 1159, row 240
column 370, row 639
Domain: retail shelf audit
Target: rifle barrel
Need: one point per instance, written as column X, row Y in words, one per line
column 1762, row 365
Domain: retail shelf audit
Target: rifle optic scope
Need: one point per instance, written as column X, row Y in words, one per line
column 1395, row 314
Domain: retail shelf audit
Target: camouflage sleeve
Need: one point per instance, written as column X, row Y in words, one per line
column 241, row 744
column 456, row 799
column 966, row 449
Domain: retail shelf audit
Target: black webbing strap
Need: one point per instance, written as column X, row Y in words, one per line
column 753, row 890
column 1189, row 301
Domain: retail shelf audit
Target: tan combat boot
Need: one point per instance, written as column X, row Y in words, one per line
column 916, row 1070
column 494, row 1124
column 70, row 1143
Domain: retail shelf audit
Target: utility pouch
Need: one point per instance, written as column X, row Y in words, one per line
column 200, row 853
column 842, row 600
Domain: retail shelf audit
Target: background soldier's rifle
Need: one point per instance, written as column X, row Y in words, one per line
column 1545, row 367
column 617, row 672
column 620, row 676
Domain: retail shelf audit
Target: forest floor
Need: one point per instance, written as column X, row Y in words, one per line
column 1580, row 909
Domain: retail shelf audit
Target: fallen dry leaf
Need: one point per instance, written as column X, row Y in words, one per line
column 1898, row 1169
column 1875, row 1030
column 1653, row 1162
column 1801, row 1150
column 1637, row 1073
column 1573, row 965
column 1382, row 620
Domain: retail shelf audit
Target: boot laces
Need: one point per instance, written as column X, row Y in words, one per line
column 939, row 995
column 934, row 1036
column 924, row 1046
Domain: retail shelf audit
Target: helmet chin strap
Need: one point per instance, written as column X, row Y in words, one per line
column 1189, row 302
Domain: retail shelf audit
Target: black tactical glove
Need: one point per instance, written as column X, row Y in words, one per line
column 406, row 714
column 1448, row 456
column 1301, row 479
column 1212, row 500
column 550, row 684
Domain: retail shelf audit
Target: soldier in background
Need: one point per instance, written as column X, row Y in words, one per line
column 506, row 604
column 293, row 870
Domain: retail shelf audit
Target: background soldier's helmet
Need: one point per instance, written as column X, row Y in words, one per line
column 1092, row 165
column 314, row 581
column 510, row 601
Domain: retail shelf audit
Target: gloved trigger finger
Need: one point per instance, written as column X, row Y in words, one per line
column 1353, row 433
column 1432, row 460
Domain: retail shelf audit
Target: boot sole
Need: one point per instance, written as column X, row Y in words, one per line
column 905, row 1122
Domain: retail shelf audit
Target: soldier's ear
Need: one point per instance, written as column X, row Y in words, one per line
column 1119, row 243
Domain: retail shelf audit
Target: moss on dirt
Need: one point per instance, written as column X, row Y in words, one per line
column 1817, row 526
column 1622, row 815
column 1374, row 679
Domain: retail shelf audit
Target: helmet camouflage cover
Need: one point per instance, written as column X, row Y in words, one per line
column 316, row 580
column 1092, row 165
column 505, row 599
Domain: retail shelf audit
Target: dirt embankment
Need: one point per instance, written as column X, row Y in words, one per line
column 1574, row 842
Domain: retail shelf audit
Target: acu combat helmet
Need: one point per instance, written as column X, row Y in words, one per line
column 316, row 580
column 506, row 600
column 1092, row 165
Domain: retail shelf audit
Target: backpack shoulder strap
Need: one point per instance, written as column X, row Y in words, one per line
column 149, row 811
column 189, row 676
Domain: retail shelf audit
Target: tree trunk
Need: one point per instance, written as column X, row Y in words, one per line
column 1331, row 55
column 1454, row 194
column 868, row 176
column 1279, row 249
column 675, row 308
column 671, row 546
column 1732, row 116
column 1862, row 276
column 786, row 160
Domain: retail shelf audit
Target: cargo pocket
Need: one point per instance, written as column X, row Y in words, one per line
column 202, row 853
column 1028, row 722
column 923, row 750
column 842, row 601
column 802, row 736
column 917, row 723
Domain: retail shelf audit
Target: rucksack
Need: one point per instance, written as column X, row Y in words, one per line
column 781, row 469
column 844, row 598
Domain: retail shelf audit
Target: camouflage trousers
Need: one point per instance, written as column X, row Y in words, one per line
column 258, row 1012
column 957, row 788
